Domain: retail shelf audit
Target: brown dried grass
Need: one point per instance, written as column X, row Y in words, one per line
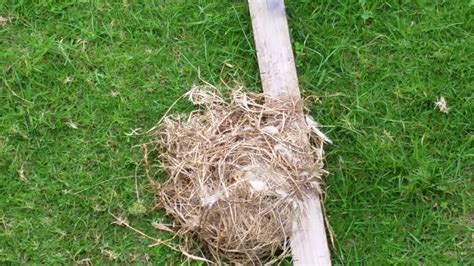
column 236, row 173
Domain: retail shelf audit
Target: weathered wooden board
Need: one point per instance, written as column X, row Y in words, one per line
column 279, row 81
column 274, row 54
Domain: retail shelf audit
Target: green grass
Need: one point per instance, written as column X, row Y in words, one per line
column 401, row 182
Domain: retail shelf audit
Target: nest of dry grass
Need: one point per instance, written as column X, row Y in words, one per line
column 236, row 173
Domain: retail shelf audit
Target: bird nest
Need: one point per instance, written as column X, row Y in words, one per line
column 237, row 171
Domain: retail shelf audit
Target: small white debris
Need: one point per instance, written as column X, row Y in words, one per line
column 67, row 79
column 253, row 174
column 209, row 200
column 3, row 21
column 270, row 130
column 114, row 93
column 21, row 174
column 71, row 124
column 442, row 105
column 304, row 173
column 258, row 184
column 314, row 126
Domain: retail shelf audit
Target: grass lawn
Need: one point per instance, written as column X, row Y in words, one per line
column 80, row 84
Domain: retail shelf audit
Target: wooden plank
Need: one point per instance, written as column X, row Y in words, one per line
column 274, row 54
column 309, row 242
column 279, row 81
